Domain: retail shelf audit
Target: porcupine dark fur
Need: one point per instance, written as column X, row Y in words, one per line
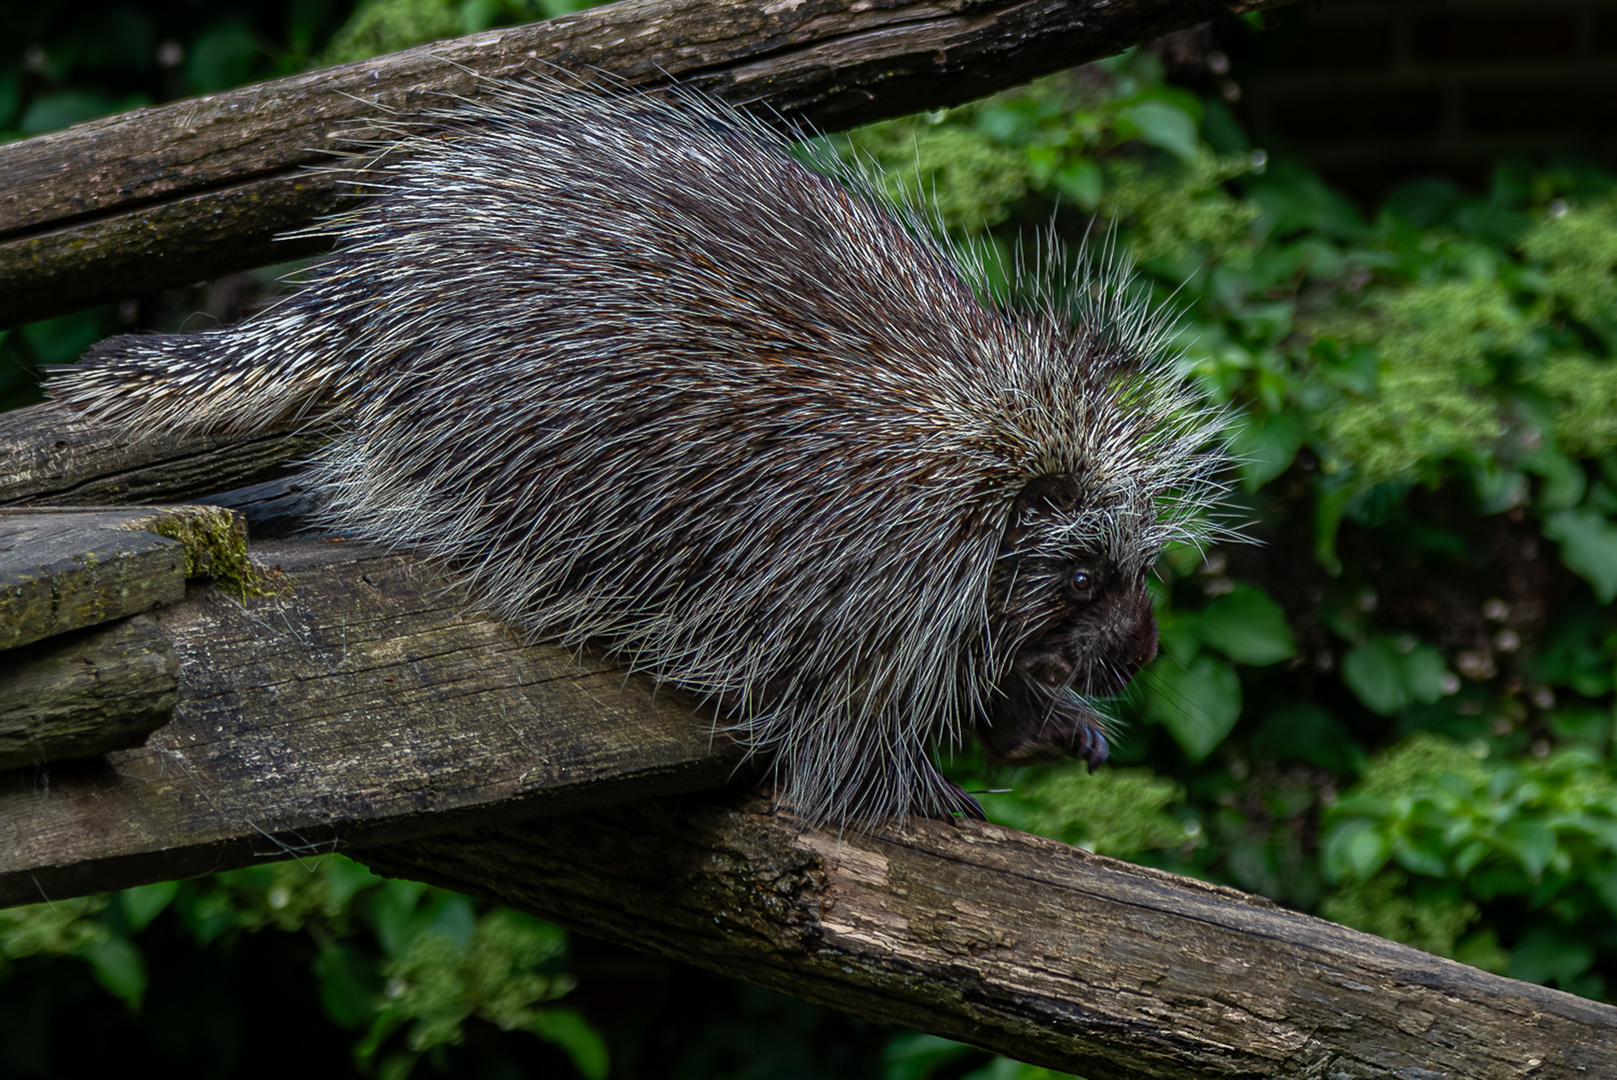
column 644, row 379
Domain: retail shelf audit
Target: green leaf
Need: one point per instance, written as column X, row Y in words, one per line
column 1547, row 952
column 1387, row 676
column 1198, row 703
column 348, row 985
column 1532, row 843
column 1425, row 854
column 1329, row 507
column 397, row 1066
column 567, row 1029
column 222, row 56
column 912, row 1055
column 1083, row 182
column 143, row 904
column 1467, row 858
column 1588, row 542
column 1304, row 731
column 1167, row 127
column 1266, row 448
column 1564, row 480
column 1374, row 672
column 119, row 968
column 61, row 340
column 1355, row 850
column 1426, row 678
column 1246, row 626
column 1603, row 880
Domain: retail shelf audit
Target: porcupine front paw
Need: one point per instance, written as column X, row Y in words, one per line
column 1032, row 723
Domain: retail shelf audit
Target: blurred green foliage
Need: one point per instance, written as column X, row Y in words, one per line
column 381, row 26
column 401, row 966
column 1397, row 711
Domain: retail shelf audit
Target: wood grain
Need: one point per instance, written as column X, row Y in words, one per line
column 361, row 704
column 51, row 457
column 63, row 570
column 182, row 192
column 83, row 694
column 1019, row 944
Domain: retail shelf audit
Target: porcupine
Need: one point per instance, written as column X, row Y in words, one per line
column 644, row 379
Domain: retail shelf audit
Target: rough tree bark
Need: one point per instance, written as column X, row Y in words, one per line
column 1021, row 945
column 198, row 188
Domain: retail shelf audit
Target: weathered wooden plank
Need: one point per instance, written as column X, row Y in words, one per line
column 358, row 705
column 51, row 457
column 58, row 575
column 83, row 694
column 1021, row 945
column 181, row 192
column 65, row 568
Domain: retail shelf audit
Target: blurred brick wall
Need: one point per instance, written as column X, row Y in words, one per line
column 1372, row 91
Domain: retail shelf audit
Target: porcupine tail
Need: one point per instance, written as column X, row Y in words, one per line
column 269, row 371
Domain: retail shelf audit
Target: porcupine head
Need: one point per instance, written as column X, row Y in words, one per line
column 642, row 379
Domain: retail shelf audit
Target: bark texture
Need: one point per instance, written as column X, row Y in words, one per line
column 51, row 457
column 1019, row 944
column 83, row 694
column 195, row 189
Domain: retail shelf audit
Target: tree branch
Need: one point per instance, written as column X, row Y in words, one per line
column 54, row 457
column 1018, row 944
column 199, row 188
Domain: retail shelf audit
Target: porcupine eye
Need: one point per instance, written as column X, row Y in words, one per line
column 1082, row 584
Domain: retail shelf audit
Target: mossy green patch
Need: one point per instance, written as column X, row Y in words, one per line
column 215, row 544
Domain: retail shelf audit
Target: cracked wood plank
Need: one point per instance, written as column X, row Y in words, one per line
column 82, row 694
column 49, row 456
column 67, row 694
column 66, row 568
column 194, row 189
column 358, row 705
column 1019, row 944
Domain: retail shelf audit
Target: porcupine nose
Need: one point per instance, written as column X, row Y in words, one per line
column 1142, row 646
column 1137, row 646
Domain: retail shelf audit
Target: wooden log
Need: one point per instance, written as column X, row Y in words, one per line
column 54, row 458
column 191, row 190
column 1019, row 944
column 85, row 694
column 357, row 705
column 62, row 569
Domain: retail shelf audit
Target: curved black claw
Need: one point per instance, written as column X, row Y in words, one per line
column 1089, row 744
